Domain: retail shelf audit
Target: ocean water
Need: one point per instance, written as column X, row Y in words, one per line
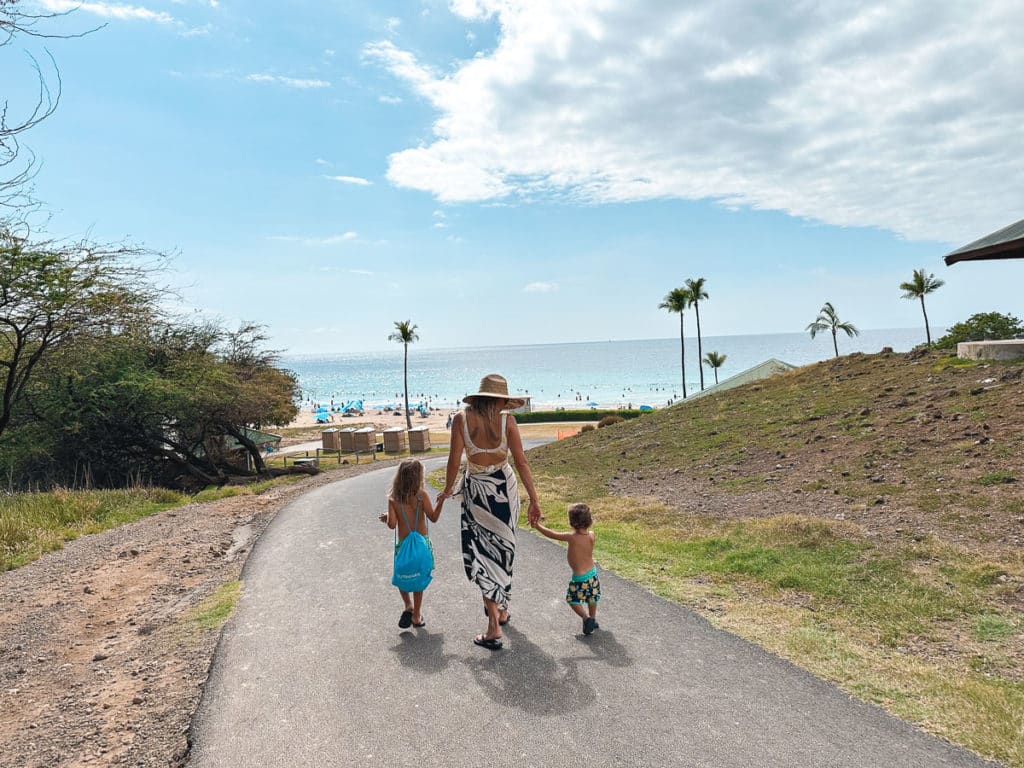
column 610, row 373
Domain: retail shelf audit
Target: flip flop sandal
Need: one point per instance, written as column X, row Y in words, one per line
column 490, row 643
column 405, row 620
column 421, row 624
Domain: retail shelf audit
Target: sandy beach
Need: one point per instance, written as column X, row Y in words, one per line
column 437, row 420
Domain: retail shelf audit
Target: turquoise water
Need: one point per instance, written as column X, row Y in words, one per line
column 611, row 373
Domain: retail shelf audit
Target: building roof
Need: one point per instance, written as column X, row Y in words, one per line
column 1007, row 243
column 770, row 367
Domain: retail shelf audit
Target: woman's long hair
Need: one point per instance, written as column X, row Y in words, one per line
column 408, row 482
column 489, row 410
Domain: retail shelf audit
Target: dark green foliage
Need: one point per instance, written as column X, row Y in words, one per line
column 538, row 417
column 983, row 326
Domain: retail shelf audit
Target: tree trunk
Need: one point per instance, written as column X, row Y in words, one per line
column 927, row 330
column 835, row 344
column 405, row 371
column 700, row 350
column 254, row 451
column 716, row 377
column 682, row 352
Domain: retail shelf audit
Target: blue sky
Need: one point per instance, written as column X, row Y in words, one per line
column 519, row 171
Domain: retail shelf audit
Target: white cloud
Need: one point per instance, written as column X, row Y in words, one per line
column 895, row 114
column 389, row 99
column 290, row 82
column 345, row 237
column 108, row 10
column 540, row 287
column 358, row 180
column 392, row 24
column 321, row 161
column 361, row 271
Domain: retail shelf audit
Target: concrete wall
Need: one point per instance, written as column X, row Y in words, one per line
column 1012, row 349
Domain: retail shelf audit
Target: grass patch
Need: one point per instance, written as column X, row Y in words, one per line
column 992, row 628
column 32, row 524
column 819, row 593
column 212, row 612
column 996, row 478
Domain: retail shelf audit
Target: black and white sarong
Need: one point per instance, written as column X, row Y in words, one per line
column 490, row 512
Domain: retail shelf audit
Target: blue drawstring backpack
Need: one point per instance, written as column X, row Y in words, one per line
column 414, row 560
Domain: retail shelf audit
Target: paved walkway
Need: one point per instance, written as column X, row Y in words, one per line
column 313, row 670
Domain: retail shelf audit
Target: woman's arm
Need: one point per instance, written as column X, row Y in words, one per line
column 454, row 460
column 515, row 445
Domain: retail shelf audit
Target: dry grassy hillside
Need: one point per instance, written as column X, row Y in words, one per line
column 862, row 517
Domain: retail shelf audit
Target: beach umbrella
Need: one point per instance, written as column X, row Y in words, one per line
column 378, row 407
column 591, row 403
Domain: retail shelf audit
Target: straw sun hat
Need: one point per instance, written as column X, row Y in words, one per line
column 493, row 385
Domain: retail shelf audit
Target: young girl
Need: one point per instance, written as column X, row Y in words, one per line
column 584, row 585
column 409, row 505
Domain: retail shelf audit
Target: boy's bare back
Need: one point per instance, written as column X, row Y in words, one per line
column 581, row 551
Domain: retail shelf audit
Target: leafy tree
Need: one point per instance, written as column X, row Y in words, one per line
column 697, row 292
column 157, row 404
column 405, row 334
column 828, row 320
column 51, row 293
column 714, row 361
column 678, row 300
column 981, row 327
column 919, row 286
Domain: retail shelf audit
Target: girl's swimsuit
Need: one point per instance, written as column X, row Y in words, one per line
column 490, row 511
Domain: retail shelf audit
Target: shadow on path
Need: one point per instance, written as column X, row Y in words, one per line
column 423, row 651
column 604, row 647
column 525, row 677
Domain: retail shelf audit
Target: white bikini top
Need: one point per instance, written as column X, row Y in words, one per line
column 472, row 450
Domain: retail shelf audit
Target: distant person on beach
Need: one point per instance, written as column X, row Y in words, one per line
column 489, row 435
column 409, row 508
column 584, row 585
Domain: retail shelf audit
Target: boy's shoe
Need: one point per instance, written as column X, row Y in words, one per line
column 405, row 620
column 589, row 625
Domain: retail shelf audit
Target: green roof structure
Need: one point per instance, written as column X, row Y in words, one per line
column 1007, row 243
column 770, row 367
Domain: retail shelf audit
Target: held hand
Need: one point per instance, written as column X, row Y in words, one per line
column 383, row 518
column 533, row 515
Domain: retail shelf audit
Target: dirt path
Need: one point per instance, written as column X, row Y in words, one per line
column 101, row 660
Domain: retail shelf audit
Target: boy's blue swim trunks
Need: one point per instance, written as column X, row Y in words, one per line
column 584, row 588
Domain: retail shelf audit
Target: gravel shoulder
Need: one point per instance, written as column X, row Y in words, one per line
column 102, row 662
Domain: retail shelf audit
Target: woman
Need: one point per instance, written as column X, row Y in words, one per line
column 490, row 496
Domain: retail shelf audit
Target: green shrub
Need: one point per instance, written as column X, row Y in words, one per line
column 983, row 326
column 608, row 420
column 540, row 417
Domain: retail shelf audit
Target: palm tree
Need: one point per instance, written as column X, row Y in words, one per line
column 697, row 292
column 714, row 361
column 677, row 300
column 918, row 287
column 405, row 333
column 828, row 320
